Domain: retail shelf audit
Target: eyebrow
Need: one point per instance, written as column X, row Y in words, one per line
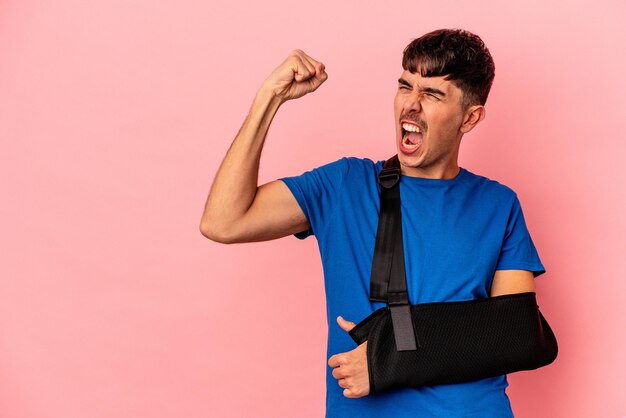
column 426, row 90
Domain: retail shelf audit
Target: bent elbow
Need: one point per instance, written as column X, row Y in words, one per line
column 216, row 234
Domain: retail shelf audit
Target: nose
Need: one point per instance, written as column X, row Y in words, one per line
column 412, row 102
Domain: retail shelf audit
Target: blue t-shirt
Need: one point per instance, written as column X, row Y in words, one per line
column 456, row 234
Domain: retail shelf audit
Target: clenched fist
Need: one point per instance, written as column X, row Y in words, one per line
column 298, row 75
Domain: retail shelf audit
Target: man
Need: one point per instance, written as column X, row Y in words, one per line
column 464, row 235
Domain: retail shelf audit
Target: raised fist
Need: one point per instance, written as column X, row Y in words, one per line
column 298, row 75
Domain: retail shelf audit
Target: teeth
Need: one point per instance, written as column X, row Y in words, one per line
column 409, row 145
column 410, row 128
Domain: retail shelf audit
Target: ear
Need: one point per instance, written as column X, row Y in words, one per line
column 471, row 117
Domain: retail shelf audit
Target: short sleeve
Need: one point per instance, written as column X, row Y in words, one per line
column 518, row 251
column 316, row 192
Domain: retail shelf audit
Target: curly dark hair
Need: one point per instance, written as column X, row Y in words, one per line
column 457, row 54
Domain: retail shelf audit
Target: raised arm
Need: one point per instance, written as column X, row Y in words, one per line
column 237, row 209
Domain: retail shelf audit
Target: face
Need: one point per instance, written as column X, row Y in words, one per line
column 429, row 125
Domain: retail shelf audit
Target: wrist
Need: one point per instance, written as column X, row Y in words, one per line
column 266, row 104
column 268, row 96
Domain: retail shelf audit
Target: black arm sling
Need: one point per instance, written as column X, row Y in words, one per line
column 443, row 342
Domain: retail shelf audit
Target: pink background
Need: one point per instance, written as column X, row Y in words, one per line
column 115, row 115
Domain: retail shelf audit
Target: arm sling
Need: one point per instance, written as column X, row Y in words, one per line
column 442, row 342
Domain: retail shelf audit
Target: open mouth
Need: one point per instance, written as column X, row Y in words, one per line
column 411, row 137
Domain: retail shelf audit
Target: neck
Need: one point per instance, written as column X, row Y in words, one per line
column 441, row 173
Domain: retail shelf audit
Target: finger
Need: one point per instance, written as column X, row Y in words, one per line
column 333, row 361
column 303, row 70
column 315, row 82
column 320, row 71
column 343, row 383
column 318, row 67
column 349, row 394
column 314, row 63
column 345, row 325
column 339, row 373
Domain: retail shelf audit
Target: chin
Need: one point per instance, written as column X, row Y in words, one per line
column 410, row 161
column 404, row 159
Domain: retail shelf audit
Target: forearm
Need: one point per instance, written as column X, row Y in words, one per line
column 235, row 183
column 458, row 342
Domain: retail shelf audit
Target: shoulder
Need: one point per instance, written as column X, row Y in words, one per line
column 353, row 167
column 493, row 189
column 348, row 163
column 336, row 174
column 357, row 164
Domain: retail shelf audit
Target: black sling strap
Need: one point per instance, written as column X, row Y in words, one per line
column 388, row 277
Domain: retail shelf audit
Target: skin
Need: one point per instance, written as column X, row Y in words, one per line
column 435, row 104
column 238, row 210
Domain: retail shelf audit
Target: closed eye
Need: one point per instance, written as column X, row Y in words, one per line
column 403, row 84
column 436, row 93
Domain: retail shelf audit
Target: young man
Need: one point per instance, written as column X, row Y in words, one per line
column 464, row 235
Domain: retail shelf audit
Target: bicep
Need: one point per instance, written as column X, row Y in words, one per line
column 274, row 213
column 512, row 281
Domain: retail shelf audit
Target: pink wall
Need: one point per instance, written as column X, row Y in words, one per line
column 115, row 115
